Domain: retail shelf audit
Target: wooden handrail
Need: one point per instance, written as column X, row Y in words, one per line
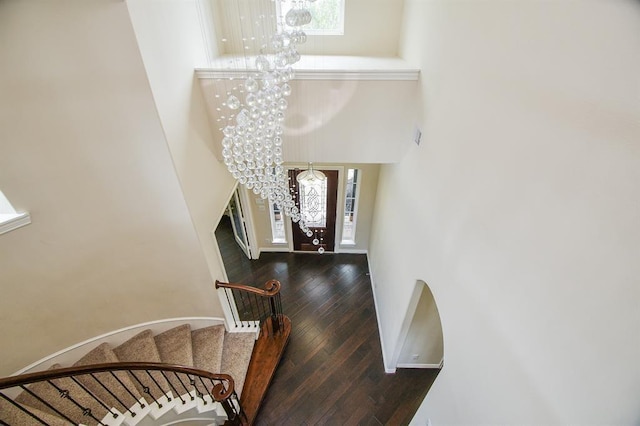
column 218, row 392
column 271, row 288
column 254, row 305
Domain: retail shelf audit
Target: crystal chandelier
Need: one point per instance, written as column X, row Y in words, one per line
column 253, row 134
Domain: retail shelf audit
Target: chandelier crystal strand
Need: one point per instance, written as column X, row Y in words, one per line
column 253, row 137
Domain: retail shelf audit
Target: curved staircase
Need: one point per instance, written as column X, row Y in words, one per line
column 139, row 397
column 205, row 376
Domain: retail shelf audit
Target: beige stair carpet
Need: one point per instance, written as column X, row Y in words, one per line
column 236, row 354
column 104, row 354
column 174, row 347
column 142, row 348
column 207, row 346
column 50, row 394
column 12, row 415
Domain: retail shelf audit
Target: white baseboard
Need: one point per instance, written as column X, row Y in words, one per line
column 351, row 251
column 283, row 249
column 418, row 365
column 387, row 369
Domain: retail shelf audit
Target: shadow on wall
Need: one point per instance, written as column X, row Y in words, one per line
column 421, row 340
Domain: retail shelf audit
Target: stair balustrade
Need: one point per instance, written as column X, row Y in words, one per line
column 82, row 391
column 255, row 307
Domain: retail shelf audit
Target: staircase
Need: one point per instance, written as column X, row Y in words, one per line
column 139, row 397
column 204, row 376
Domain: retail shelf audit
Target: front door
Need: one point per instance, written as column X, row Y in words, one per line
column 318, row 206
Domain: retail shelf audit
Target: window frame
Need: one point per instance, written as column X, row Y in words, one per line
column 356, row 197
column 314, row 32
column 272, row 221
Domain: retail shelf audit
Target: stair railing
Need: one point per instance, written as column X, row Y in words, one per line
column 77, row 385
column 255, row 307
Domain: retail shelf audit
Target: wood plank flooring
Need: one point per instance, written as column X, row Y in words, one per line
column 331, row 372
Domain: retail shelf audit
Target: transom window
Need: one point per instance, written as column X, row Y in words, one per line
column 327, row 15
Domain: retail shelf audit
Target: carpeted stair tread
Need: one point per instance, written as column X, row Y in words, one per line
column 12, row 415
column 207, row 348
column 50, row 394
column 174, row 346
column 211, row 349
column 236, row 354
column 100, row 355
column 142, row 348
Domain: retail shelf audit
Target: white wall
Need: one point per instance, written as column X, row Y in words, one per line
column 337, row 121
column 111, row 242
column 372, row 27
column 171, row 42
column 520, row 210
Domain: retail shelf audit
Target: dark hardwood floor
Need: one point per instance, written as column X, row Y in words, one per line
column 332, row 371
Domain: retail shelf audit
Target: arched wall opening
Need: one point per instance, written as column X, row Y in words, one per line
column 421, row 340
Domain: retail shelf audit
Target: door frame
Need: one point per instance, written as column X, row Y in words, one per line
column 249, row 224
column 243, row 242
column 244, row 200
column 339, row 203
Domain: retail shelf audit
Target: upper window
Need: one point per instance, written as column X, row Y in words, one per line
column 327, row 15
column 351, row 207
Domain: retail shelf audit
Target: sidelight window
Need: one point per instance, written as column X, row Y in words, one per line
column 277, row 225
column 351, row 207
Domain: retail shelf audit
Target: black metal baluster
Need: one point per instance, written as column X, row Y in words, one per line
column 193, row 383
column 244, row 309
column 280, row 311
column 114, row 396
column 21, row 408
column 64, row 393
column 255, row 313
column 187, row 391
column 115, row 415
column 173, row 388
column 135, row 399
column 145, row 389
column 236, row 403
column 263, row 311
column 153, row 379
column 229, row 407
column 206, row 390
column 24, row 388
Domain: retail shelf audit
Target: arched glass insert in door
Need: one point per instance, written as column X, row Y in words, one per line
column 313, row 203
